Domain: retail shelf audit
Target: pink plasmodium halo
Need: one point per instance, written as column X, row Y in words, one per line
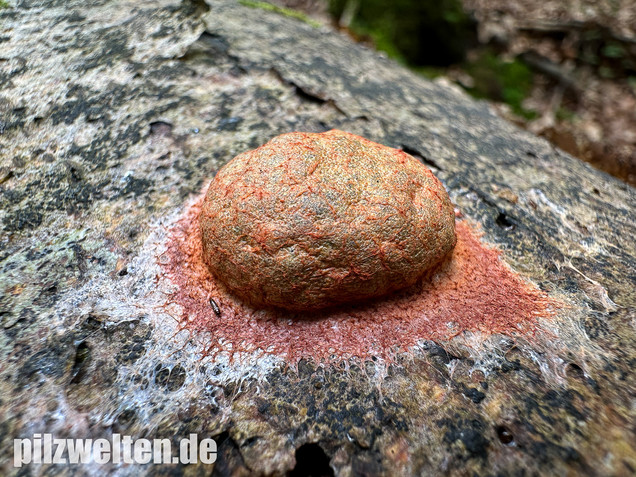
column 471, row 291
column 314, row 220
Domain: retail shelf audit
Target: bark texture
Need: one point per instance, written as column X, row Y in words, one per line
column 114, row 114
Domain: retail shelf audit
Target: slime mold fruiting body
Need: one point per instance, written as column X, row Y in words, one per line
column 314, row 220
column 470, row 292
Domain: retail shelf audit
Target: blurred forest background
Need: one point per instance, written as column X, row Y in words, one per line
column 563, row 69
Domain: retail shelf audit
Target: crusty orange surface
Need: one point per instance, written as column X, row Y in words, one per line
column 313, row 220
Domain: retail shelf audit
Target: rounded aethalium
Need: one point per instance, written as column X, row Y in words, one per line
column 310, row 220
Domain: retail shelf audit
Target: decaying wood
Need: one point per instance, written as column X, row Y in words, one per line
column 113, row 117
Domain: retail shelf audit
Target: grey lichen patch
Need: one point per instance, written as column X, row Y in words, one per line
column 288, row 12
column 35, row 277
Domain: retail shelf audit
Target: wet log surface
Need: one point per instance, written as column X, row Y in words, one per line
column 115, row 115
